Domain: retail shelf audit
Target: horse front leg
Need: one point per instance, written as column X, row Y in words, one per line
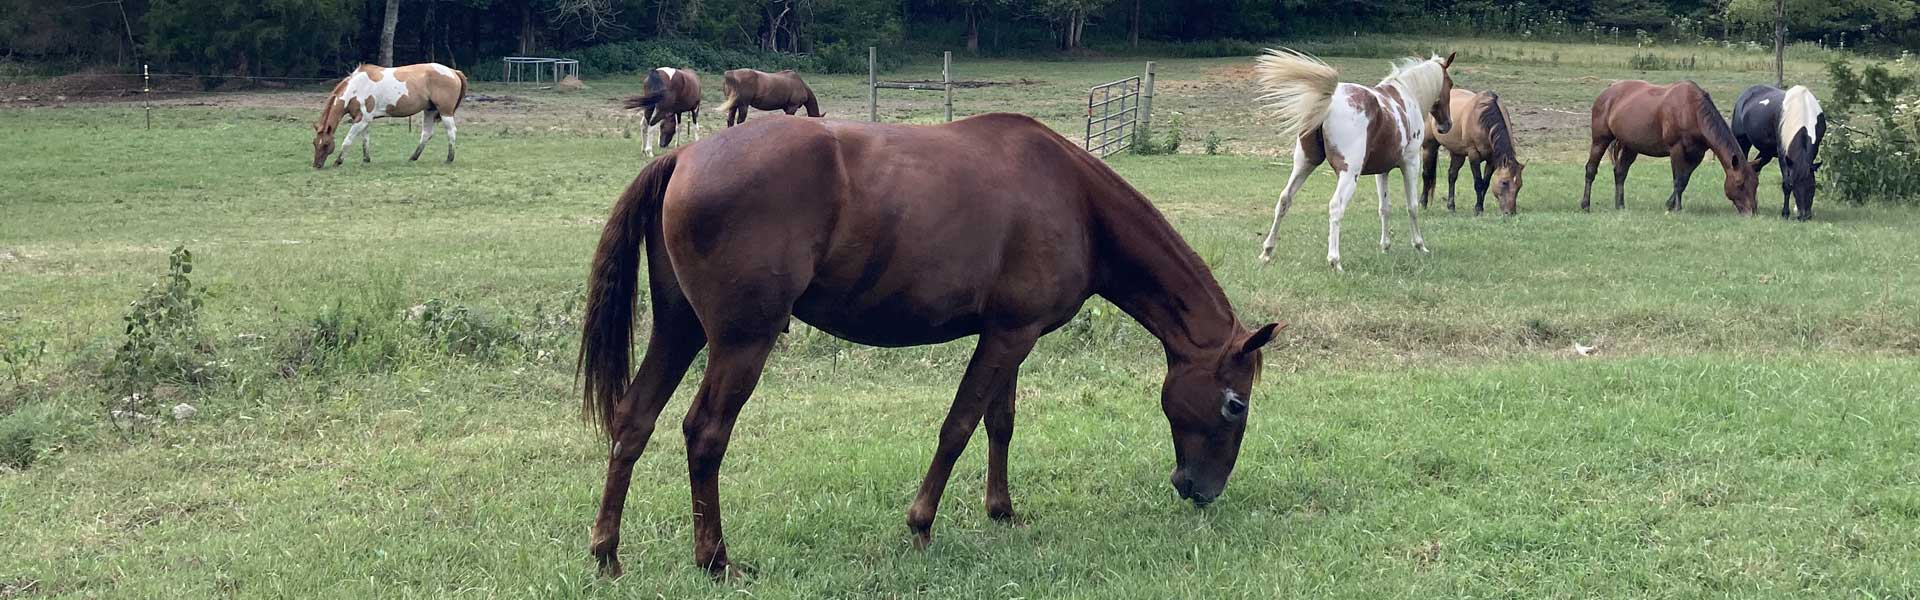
column 1380, row 186
column 675, row 341
column 1480, row 183
column 1342, row 192
column 1410, row 170
column 996, row 362
column 1622, row 163
column 1453, row 179
column 733, row 370
column 354, row 132
column 1303, row 166
column 1683, row 165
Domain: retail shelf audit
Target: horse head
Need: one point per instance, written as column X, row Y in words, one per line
column 322, row 143
column 1742, row 185
column 1206, row 404
column 1442, row 109
column 1506, row 186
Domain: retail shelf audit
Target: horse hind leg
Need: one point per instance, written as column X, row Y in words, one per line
column 1595, row 152
column 1386, row 207
column 1453, row 179
column 1342, row 192
column 995, row 362
column 675, row 341
column 1303, row 166
column 733, row 370
column 427, row 123
column 999, row 421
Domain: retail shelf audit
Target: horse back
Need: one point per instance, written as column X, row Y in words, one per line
column 904, row 234
column 1756, row 116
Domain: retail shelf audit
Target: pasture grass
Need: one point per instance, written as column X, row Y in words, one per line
column 1424, row 428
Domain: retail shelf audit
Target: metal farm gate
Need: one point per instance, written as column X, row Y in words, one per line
column 1117, row 113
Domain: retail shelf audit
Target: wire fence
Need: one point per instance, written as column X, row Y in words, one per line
column 147, row 87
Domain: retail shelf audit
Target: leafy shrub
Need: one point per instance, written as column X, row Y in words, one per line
column 462, row 331
column 1876, row 162
column 25, row 435
column 1144, row 144
column 163, row 341
column 637, row 56
column 1214, row 142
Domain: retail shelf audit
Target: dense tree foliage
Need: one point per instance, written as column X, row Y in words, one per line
column 304, row 37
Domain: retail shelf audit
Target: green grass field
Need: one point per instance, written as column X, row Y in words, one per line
column 1745, row 429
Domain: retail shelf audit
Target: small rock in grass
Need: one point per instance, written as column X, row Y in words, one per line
column 184, row 411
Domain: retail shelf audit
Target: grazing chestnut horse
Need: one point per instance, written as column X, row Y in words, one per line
column 372, row 92
column 1482, row 134
column 766, row 91
column 1787, row 124
column 875, row 234
column 1369, row 131
column 1676, row 120
column 670, row 93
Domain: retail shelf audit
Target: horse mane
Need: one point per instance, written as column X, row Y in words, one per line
column 1421, row 77
column 1799, row 109
column 333, row 102
column 1499, row 133
column 1715, row 127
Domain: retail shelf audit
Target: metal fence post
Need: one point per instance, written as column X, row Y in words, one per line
column 1145, row 130
column 146, row 89
column 946, row 81
column 873, row 79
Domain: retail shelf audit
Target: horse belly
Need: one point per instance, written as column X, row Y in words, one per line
column 894, row 318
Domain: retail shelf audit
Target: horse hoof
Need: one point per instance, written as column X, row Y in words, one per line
column 610, row 569
column 922, row 540
column 728, row 571
column 1422, row 248
column 1335, row 263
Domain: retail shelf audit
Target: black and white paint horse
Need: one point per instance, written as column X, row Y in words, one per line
column 1787, row 124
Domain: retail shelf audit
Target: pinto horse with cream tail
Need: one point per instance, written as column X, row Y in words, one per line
column 1787, row 124
column 872, row 233
column 1361, row 130
column 371, row 92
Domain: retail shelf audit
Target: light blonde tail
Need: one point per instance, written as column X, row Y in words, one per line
column 1298, row 88
column 727, row 105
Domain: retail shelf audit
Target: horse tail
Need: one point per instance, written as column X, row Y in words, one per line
column 1299, row 89
column 733, row 96
column 656, row 91
column 606, row 335
column 462, row 76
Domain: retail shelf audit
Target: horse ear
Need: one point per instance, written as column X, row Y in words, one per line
column 1259, row 338
column 1449, row 61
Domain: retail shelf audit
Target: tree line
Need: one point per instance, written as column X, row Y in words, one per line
column 317, row 37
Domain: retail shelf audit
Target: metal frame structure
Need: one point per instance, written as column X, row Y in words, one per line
column 1118, row 113
column 515, row 69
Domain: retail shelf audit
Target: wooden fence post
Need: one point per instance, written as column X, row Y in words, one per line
column 946, row 79
column 873, row 79
column 1145, row 130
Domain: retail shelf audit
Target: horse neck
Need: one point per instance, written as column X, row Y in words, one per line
column 1149, row 272
column 1718, row 135
column 1499, row 135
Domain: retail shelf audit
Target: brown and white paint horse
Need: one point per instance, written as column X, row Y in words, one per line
column 372, row 92
column 1370, row 131
column 670, row 93
column 766, row 91
column 1482, row 135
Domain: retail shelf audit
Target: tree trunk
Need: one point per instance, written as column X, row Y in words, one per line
column 1133, row 33
column 526, row 27
column 386, row 32
column 1779, row 43
column 973, row 30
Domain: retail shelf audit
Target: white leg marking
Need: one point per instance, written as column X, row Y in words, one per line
column 1380, row 186
column 1299, row 177
column 426, row 133
column 1341, row 193
column 451, row 133
column 646, row 136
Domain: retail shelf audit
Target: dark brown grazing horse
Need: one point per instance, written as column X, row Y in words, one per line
column 766, row 91
column 669, row 93
column 872, row 233
column 1677, row 120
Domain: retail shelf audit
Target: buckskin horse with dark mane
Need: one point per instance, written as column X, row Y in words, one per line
column 1483, row 135
column 1787, row 124
column 1677, row 120
column 669, row 93
column 872, row 233
column 784, row 91
column 371, row 92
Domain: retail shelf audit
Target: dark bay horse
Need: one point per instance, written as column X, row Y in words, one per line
column 1790, row 125
column 1482, row 135
column 766, row 91
column 372, row 92
column 669, row 93
column 876, row 234
column 1677, row 120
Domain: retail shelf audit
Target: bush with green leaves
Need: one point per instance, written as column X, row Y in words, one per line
column 1873, row 120
column 162, row 341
